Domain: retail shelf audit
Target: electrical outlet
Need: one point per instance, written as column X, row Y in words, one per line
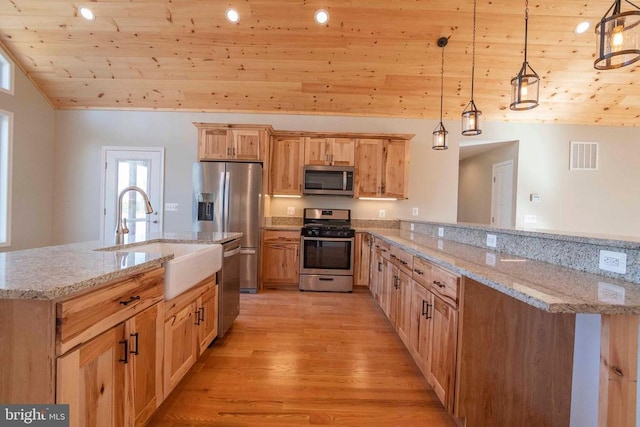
column 492, row 240
column 530, row 219
column 440, row 244
column 412, row 226
column 490, row 259
column 171, row 207
column 291, row 211
column 615, row 262
column 440, row 231
column 612, row 294
column 382, row 213
column 414, row 211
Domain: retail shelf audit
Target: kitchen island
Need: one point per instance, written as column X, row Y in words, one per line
column 91, row 316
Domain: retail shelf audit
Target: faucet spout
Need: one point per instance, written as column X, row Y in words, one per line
column 121, row 229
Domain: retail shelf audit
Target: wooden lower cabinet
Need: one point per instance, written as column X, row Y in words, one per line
column 420, row 329
column 361, row 263
column 280, row 257
column 190, row 324
column 113, row 379
column 444, row 335
column 403, row 311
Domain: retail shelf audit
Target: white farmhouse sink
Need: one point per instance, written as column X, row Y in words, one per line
column 191, row 263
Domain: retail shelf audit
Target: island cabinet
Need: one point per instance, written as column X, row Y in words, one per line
column 382, row 168
column 400, row 302
column 109, row 346
column 287, row 157
column 190, row 324
column 232, row 142
column 323, row 151
column 280, row 257
column 361, row 263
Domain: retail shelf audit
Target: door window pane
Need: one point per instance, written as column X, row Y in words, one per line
column 134, row 173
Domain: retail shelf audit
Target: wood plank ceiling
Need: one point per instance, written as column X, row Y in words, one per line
column 374, row 58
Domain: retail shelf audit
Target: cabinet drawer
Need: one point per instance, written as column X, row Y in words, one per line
column 81, row 318
column 445, row 284
column 422, row 271
column 402, row 259
column 383, row 248
column 281, row 236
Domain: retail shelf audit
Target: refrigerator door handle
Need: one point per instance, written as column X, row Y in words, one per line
column 227, row 202
column 247, row 251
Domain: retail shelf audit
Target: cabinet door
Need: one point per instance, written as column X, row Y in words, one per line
column 213, row 144
column 443, row 351
column 245, row 144
column 287, row 156
column 403, row 315
column 375, row 274
column 144, row 332
column 361, row 262
column 368, row 168
column 316, row 151
column 91, row 379
column 420, row 326
column 179, row 346
column 395, row 182
column 343, row 151
column 386, row 287
column 281, row 263
column 208, row 318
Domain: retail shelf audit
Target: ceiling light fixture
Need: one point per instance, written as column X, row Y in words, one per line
column 321, row 16
column 582, row 27
column 440, row 133
column 618, row 37
column 471, row 116
column 232, row 15
column 86, row 13
column 525, row 87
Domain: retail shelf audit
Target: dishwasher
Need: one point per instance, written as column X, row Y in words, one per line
column 229, row 287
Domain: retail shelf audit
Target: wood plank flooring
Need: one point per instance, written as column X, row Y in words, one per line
column 305, row 358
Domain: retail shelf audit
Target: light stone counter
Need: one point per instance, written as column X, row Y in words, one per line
column 546, row 286
column 55, row 272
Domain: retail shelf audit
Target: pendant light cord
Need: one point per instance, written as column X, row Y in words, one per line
column 526, row 28
column 473, row 54
column 441, row 83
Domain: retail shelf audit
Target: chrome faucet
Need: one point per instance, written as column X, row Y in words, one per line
column 121, row 227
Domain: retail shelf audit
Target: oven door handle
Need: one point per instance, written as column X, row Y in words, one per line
column 329, row 239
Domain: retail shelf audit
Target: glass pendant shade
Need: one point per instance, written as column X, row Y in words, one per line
column 471, row 120
column 440, row 137
column 525, row 89
column 618, row 37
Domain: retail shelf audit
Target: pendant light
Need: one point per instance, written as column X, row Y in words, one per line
column 525, row 87
column 440, row 133
column 618, row 37
column 471, row 115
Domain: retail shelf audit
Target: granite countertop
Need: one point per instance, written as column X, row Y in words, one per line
column 546, row 286
column 55, row 272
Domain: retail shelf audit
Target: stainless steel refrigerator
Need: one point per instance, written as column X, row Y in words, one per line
column 228, row 198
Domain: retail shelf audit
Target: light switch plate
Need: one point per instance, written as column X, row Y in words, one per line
column 171, row 207
column 492, row 240
column 412, row 226
column 414, row 211
column 490, row 259
column 440, row 231
column 382, row 213
column 291, row 211
column 440, row 244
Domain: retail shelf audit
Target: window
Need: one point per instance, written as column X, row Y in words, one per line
column 6, row 73
column 6, row 138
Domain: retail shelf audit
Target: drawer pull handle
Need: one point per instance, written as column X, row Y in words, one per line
column 438, row 284
column 326, row 279
column 126, row 351
column 420, row 272
column 404, row 262
column 135, row 338
column 130, row 300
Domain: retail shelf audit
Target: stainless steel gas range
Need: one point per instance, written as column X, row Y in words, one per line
column 327, row 248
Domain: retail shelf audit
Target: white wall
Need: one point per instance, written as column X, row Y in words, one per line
column 32, row 177
column 606, row 201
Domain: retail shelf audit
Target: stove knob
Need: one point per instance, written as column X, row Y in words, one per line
column 316, row 232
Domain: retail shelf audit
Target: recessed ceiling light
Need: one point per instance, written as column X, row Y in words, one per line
column 321, row 16
column 86, row 13
column 232, row 15
column 582, row 27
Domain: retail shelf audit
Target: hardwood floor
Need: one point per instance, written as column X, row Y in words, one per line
column 305, row 358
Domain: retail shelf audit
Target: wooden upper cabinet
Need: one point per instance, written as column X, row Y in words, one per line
column 232, row 142
column 329, row 151
column 287, row 156
column 382, row 168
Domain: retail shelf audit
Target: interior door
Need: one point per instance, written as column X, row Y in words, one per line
column 124, row 167
column 502, row 195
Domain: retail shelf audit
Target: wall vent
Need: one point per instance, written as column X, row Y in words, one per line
column 584, row 156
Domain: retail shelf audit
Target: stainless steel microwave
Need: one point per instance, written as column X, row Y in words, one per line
column 328, row 180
